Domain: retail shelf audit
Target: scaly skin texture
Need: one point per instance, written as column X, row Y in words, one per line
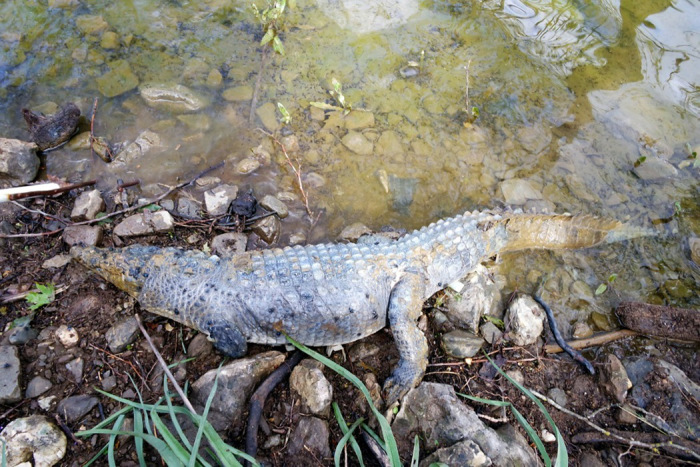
column 333, row 293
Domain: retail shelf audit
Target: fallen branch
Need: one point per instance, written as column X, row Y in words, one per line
column 687, row 447
column 257, row 401
column 115, row 213
column 599, row 339
column 660, row 321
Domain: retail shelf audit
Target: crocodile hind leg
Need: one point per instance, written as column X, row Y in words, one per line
column 405, row 306
column 225, row 336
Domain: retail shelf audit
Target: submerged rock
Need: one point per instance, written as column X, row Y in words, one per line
column 175, row 98
column 118, row 80
column 357, row 143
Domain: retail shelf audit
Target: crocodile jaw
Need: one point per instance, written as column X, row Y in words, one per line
column 117, row 267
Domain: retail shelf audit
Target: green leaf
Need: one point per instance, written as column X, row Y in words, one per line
column 612, row 278
column 44, row 296
column 269, row 35
column 415, row 458
column 601, row 288
column 277, row 45
column 286, row 118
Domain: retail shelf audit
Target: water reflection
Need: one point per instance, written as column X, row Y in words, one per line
column 563, row 35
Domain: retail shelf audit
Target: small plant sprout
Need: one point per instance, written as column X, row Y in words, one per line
column 45, row 295
column 270, row 20
column 337, row 93
column 471, row 111
column 604, row 286
column 286, row 118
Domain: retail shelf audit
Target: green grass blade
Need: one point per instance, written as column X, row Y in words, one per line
column 374, row 436
column 112, row 439
column 178, row 449
column 169, row 457
column 203, row 421
column 344, row 428
column 344, row 440
column 96, row 456
column 173, row 415
column 523, row 422
column 533, row 436
column 138, row 441
column 486, row 401
column 562, row 453
column 416, row 452
column 391, row 448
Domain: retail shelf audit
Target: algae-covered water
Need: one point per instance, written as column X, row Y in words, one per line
column 583, row 107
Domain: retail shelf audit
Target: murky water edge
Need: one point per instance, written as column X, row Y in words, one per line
column 584, row 107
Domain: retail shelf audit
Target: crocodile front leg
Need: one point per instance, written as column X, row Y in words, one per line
column 405, row 306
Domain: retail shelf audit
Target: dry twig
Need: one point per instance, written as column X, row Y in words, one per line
column 164, row 365
column 297, row 172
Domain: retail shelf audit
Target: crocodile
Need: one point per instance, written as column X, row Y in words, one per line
column 329, row 294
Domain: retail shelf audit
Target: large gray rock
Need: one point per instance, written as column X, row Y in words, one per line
column 441, row 419
column 144, row 223
column 236, row 383
column 121, row 334
column 34, row 439
column 310, row 434
column 83, row 235
column 229, row 244
column 87, row 206
column 524, row 320
column 10, row 372
column 18, row 161
column 479, row 296
column 73, row 408
column 315, row 392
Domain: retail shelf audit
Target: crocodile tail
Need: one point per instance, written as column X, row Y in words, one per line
column 562, row 231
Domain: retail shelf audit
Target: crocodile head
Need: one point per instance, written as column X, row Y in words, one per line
column 125, row 267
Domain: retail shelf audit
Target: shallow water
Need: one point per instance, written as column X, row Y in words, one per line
column 570, row 94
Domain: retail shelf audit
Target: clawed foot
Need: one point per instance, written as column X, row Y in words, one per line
column 399, row 383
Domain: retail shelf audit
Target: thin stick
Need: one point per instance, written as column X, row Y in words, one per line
column 297, row 172
column 110, row 157
column 469, row 62
column 164, row 365
column 154, row 200
column 608, row 434
column 56, row 191
column 594, row 341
